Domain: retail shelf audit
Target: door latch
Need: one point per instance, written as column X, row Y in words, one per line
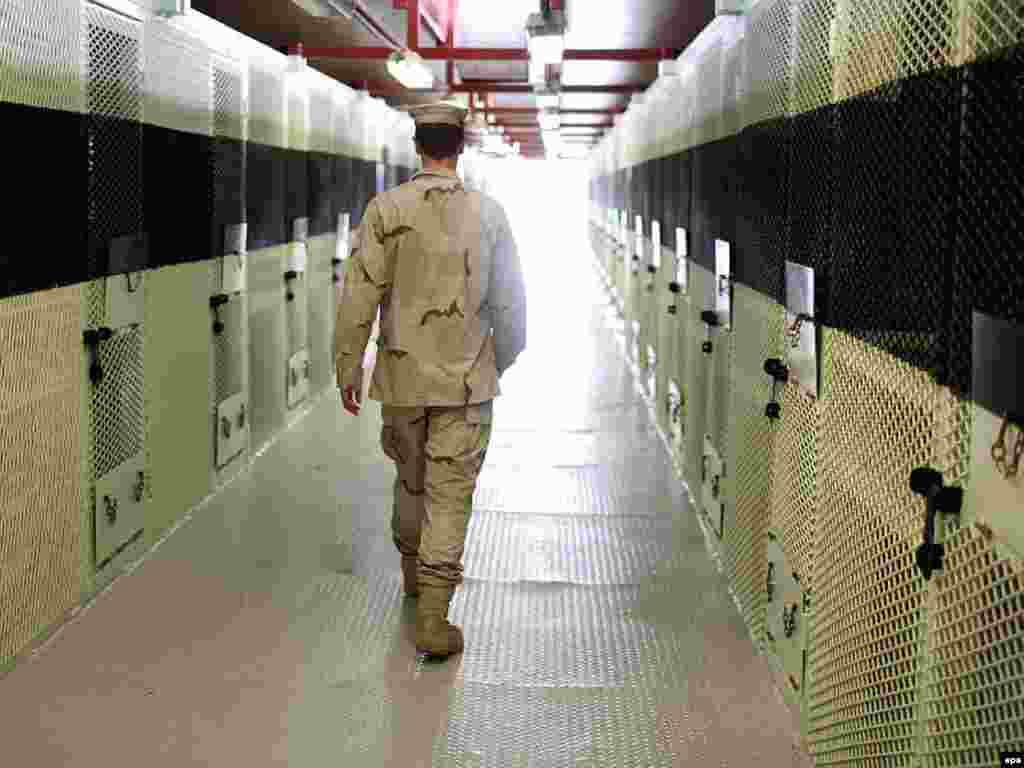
column 290, row 275
column 710, row 320
column 789, row 620
column 110, row 510
column 927, row 482
column 92, row 340
column 216, row 302
column 770, row 586
column 241, row 416
column 140, row 487
column 779, row 372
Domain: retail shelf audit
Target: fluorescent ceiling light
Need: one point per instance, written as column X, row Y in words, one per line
column 537, row 72
column 408, row 68
column 547, row 100
column 547, row 49
column 549, row 119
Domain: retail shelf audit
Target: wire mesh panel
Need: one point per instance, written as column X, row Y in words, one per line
column 886, row 286
column 267, row 344
column 812, row 55
column 974, row 695
column 768, row 68
column 708, row 111
column 987, row 273
column 990, row 26
column 758, row 336
column 118, row 402
column 114, row 101
column 40, row 463
column 40, row 54
column 719, row 393
column 177, row 339
column 763, row 224
column 229, row 128
column 794, row 481
column 178, row 79
column 879, row 41
column 267, row 109
column 881, row 419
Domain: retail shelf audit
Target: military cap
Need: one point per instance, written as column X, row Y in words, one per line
column 438, row 113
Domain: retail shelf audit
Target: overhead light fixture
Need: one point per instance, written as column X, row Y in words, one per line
column 407, row 67
column 546, row 43
column 547, row 99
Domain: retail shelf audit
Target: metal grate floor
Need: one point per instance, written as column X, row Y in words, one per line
column 270, row 630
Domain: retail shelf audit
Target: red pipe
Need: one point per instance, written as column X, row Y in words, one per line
column 488, row 54
column 413, row 24
column 484, row 86
column 375, row 26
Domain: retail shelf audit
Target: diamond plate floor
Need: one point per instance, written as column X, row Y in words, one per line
column 270, row 629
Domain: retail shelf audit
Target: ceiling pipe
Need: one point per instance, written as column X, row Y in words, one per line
column 489, row 54
column 486, row 87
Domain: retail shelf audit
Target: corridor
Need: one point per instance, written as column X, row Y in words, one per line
column 270, row 628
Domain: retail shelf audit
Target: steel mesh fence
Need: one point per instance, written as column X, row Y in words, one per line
column 40, row 463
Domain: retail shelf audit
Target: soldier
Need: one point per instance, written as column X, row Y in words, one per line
column 440, row 262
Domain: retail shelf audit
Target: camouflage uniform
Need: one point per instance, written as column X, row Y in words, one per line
column 441, row 263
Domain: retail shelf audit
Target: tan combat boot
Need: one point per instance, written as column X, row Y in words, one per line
column 434, row 635
column 410, row 567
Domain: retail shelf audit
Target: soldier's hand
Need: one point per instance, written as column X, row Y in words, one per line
column 352, row 400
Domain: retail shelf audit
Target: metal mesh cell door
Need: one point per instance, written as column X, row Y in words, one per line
column 759, row 323
column 41, row 460
column 114, row 105
column 880, row 420
column 115, row 305
column 767, row 67
column 697, row 378
column 230, row 407
column 320, row 305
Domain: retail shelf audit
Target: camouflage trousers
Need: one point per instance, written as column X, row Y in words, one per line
column 439, row 452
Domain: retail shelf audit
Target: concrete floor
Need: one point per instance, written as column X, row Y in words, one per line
column 271, row 628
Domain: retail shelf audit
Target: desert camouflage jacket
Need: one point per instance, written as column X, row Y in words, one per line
column 441, row 264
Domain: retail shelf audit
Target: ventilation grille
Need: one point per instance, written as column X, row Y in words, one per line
column 40, row 45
